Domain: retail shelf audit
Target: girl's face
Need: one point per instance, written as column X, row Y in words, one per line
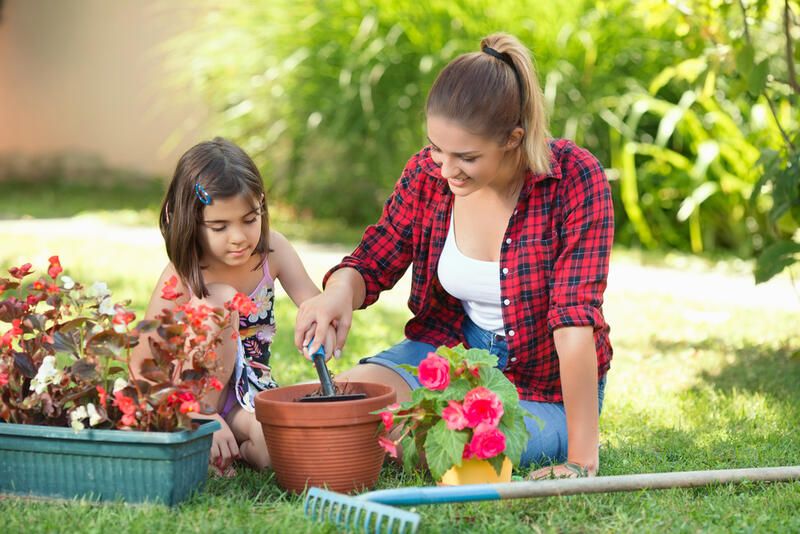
column 231, row 230
column 470, row 162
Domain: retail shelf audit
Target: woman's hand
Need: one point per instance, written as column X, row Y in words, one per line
column 326, row 318
column 565, row 470
column 224, row 449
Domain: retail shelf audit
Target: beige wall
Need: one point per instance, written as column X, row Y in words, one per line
column 90, row 76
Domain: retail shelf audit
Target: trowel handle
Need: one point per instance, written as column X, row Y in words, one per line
column 323, row 373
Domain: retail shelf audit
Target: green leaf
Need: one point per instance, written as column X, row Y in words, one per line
column 456, row 390
column 444, row 448
column 757, row 80
column 410, row 368
column 775, row 259
column 410, row 453
column 497, row 462
column 480, row 357
column 517, row 437
column 492, row 378
column 745, row 58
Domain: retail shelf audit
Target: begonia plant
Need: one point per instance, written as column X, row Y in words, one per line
column 65, row 359
column 465, row 409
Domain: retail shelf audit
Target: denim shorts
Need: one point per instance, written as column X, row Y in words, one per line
column 548, row 443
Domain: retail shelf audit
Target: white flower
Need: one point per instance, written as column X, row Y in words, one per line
column 94, row 417
column 119, row 384
column 67, row 282
column 99, row 290
column 46, row 375
column 120, row 328
column 106, row 307
column 76, row 416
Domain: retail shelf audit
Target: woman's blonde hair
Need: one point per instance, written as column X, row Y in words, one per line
column 492, row 92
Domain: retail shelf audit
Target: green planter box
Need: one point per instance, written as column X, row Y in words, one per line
column 104, row 465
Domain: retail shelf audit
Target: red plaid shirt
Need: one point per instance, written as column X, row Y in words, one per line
column 553, row 262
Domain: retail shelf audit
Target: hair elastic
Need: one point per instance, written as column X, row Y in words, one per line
column 505, row 58
column 201, row 193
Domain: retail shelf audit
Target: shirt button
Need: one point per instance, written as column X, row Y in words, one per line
column 506, row 302
column 508, row 241
column 511, row 333
column 514, row 359
column 505, row 270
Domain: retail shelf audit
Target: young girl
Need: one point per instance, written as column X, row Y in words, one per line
column 216, row 231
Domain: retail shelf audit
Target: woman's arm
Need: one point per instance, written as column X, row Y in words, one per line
column 578, row 367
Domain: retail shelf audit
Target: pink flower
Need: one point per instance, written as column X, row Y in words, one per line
column 467, row 454
column 3, row 379
column 434, row 372
column 55, row 267
column 388, row 445
column 487, row 442
column 482, row 406
column 388, row 419
column 454, row 417
column 168, row 291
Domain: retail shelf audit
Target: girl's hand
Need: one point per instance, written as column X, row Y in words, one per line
column 565, row 470
column 224, row 449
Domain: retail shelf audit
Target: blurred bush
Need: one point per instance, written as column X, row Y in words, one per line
column 328, row 97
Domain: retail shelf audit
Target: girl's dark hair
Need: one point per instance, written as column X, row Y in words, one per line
column 223, row 170
column 481, row 92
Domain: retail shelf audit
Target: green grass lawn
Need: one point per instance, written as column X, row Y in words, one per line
column 695, row 384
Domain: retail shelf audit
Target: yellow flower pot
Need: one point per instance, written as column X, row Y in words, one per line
column 476, row 472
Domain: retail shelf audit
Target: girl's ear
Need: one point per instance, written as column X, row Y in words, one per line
column 514, row 138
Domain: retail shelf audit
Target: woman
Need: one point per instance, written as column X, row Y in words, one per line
column 509, row 233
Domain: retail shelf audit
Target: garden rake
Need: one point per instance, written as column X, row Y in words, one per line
column 374, row 511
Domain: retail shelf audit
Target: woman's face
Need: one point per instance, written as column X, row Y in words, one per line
column 471, row 162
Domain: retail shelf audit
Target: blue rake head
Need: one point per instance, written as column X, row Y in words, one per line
column 353, row 514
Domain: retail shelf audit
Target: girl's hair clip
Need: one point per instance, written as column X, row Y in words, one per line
column 201, row 193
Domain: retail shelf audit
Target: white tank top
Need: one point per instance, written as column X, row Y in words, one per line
column 476, row 283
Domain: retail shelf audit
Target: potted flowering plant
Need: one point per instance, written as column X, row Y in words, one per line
column 467, row 412
column 65, row 362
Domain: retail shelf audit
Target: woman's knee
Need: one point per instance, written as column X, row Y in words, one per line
column 370, row 372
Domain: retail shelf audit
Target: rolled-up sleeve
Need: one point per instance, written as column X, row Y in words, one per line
column 385, row 250
column 580, row 271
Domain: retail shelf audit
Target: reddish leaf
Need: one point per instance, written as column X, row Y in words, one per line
column 24, row 364
column 67, row 342
column 147, row 325
column 108, row 343
column 152, row 372
column 84, row 370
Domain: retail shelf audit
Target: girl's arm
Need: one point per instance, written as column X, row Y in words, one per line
column 290, row 270
column 157, row 304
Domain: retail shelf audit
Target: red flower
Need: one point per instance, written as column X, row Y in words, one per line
column 123, row 316
column 189, row 407
column 52, row 289
column 434, row 372
column 487, row 442
column 33, row 300
column 9, row 336
column 3, row 379
column 388, row 445
column 215, row 383
column 127, row 407
column 453, row 416
column 39, row 285
column 168, row 291
column 242, row 304
column 482, row 406
column 55, row 267
column 101, row 393
column 21, row 271
column 388, row 419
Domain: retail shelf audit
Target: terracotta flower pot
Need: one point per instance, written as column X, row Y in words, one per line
column 333, row 444
column 476, row 472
